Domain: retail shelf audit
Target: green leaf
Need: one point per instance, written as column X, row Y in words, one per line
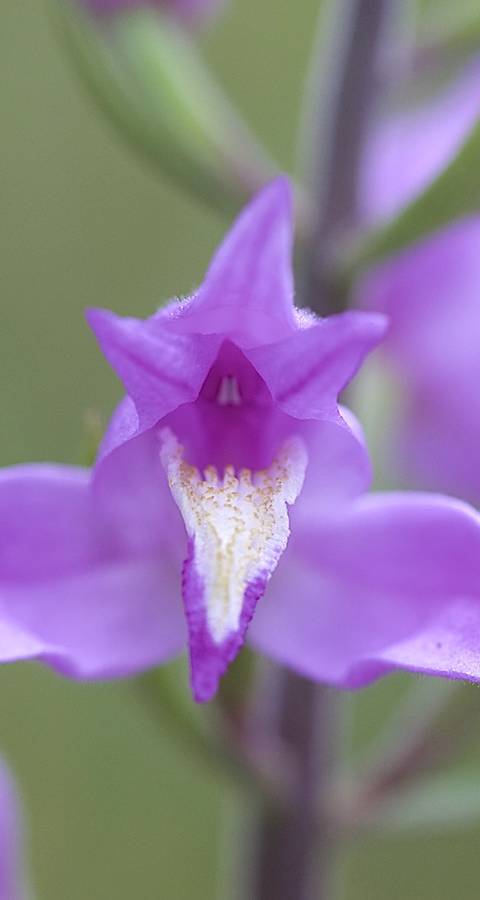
column 455, row 193
column 451, row 801
column 449, row 28
column 146, row 76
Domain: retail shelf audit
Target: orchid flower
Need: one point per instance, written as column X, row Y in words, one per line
column 229, row 478
column 431, row 293
column 11, row 879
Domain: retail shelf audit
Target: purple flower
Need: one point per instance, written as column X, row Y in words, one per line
column 408, row 147
column 11, row 880
column 187, row 12
column 432, row 295
column 229, row 456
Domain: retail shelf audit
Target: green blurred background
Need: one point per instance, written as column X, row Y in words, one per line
column 116, row 808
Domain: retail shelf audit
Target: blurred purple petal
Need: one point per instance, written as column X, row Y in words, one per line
column 416, row 544
column 375, row 587
column 306, row 372
column 160, row 370
column 78, row 586
column 409, row 147
column 431, row 295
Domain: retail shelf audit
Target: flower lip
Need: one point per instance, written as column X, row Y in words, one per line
column 238, row 528
column 234, row 462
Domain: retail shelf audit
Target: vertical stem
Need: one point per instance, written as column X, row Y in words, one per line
column 286, row 837
column 341, row 111
column 292, row 840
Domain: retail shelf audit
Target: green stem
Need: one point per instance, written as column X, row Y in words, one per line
column 289, row 854
column 339, row 118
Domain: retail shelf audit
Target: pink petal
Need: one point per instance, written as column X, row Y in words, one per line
column 45, row 522
column 379, row 587
column 136, row 507
column 306, row 372
column 403, row 542
column 111, row 621
column 430, row 293
column 248, row 291
column 407, row 149
column 74, row 589
column 160, row 369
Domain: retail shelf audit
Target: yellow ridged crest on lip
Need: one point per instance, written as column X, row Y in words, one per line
column 239, row 523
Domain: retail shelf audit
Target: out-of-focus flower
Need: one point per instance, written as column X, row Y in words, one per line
column 410, row 145
column 187, row 12
column 12, row 883
column 229, row 439
column 432, row 295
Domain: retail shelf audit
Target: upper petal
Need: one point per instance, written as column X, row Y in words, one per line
column 372, row 589
column 160, row 369
column 247, row 294
column 306, row 372
column 246, row 300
